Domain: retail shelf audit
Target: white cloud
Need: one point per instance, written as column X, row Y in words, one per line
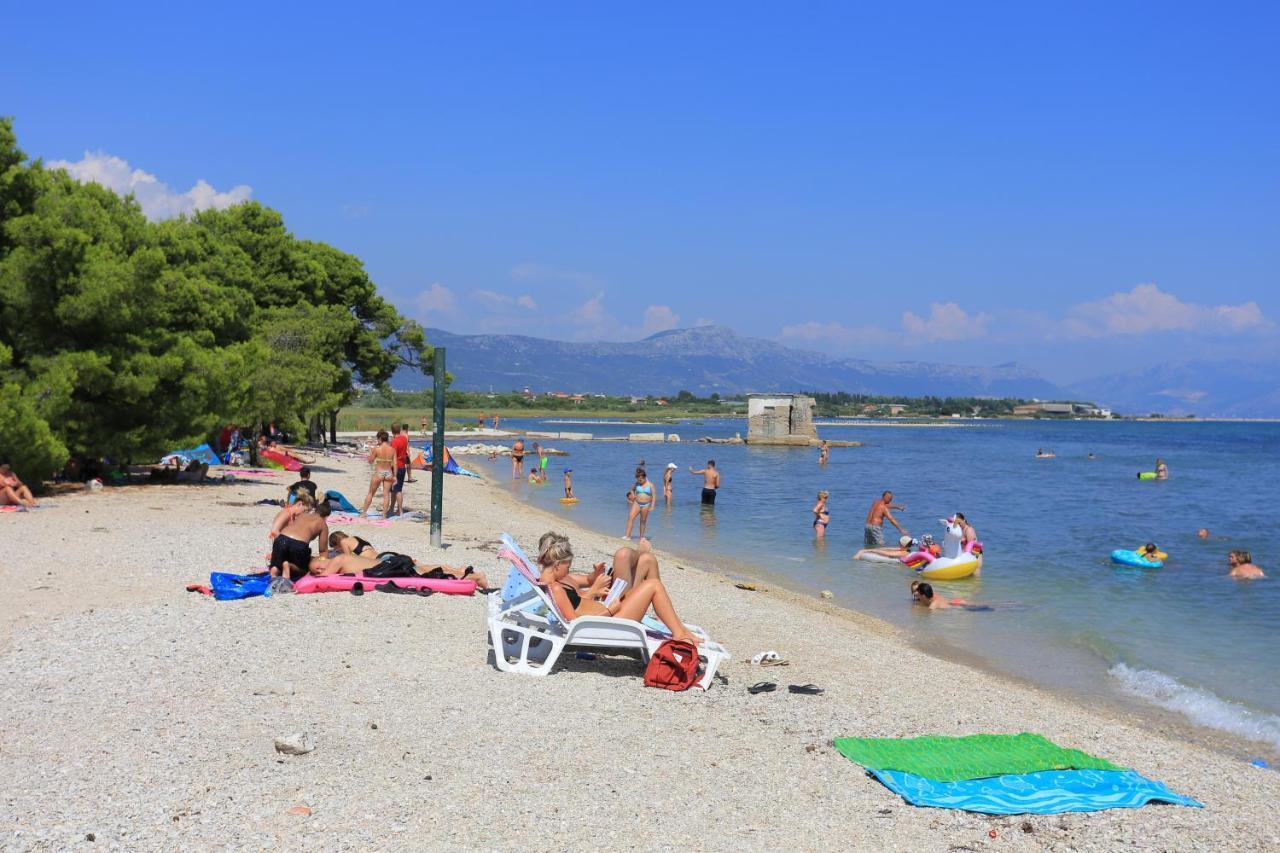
column 437, row 299
column 496, row 300
column 1147, row 308
column 659, row 318
column 947, row 321
column 157, row 200
column 836, row 333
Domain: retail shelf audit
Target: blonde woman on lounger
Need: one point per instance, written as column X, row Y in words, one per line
column 555, row 558
column 383, row 457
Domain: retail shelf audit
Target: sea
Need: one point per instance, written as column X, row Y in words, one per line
column 1183, row 644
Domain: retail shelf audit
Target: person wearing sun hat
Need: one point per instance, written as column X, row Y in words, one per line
column 666, row 481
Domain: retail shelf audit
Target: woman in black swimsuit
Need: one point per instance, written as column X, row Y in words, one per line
column 339, row 541
column 556, row 558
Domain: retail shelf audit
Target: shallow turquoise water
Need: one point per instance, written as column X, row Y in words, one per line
column 1184, row 637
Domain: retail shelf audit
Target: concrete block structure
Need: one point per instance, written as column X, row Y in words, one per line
column 781, row 419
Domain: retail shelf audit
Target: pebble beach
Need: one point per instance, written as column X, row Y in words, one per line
column 139, row 716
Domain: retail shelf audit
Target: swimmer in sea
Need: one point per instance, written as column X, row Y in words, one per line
column 1091, row 455
column 821, row 515
column 1203, row 533
column 1242, row 566
column 922, row 594
column 1150, row 553
column 1045, row 454
column 1162, row 470
column 824, row 453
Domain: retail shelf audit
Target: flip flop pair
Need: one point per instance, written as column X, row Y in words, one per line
column 801, row 689
column 392, row 587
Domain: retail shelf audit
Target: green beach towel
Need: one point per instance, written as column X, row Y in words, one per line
column 954, row 759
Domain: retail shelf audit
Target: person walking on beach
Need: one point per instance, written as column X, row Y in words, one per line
column 873, row 532
column 710, row 481
column 517, row 458
column 383, row 457
column 821, row 515
column 666, row 482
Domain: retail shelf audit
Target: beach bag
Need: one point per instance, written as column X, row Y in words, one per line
column 673, row 666
column 228, row 587
column 392, row 565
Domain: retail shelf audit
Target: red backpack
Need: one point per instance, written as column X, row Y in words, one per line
column 673, row 666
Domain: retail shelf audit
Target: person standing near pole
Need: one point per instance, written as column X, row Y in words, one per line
column 399, row 443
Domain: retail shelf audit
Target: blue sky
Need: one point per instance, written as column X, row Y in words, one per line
column 1079, row 187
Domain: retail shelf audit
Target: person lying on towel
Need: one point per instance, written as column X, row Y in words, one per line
column 359, row 564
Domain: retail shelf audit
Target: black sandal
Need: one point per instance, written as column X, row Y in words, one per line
column 762, row 687
column 805, row 689
column 357, row 588
column 424, row 591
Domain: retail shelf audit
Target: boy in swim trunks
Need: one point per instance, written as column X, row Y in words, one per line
column 568, row 482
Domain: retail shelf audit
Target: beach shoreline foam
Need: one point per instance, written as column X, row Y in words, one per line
column 158, row 708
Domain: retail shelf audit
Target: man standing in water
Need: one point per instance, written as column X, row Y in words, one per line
column 710, row 481
column 517, row 458
column 873, row 533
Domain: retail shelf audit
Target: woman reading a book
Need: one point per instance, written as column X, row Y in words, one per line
column 577, row 594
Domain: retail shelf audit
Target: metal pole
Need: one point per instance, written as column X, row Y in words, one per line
column 437, row 452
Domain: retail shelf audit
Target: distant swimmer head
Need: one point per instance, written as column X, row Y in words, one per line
column 1150, row 548
column 926, row 539
column 1203, row 533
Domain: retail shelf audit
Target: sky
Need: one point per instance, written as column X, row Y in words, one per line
column 1081, row 188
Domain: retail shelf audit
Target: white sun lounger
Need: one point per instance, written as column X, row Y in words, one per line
column 529, row 632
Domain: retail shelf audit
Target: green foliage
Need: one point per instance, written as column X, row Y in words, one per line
column 124, row 337
column 25, row 438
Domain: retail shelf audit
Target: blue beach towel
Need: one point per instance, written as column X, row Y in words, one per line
column 343, row 504
column 1046, row 792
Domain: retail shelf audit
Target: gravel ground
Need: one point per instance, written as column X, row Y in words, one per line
column 136, row 715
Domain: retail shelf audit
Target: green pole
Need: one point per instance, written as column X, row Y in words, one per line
column 437, row 452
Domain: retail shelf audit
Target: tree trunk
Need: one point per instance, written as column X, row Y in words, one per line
column 333, row 426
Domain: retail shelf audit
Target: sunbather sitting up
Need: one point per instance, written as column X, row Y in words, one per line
column 291, row 535
column 14, row 492
column 555, row 557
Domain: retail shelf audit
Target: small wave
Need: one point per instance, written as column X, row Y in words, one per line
column 1200, row 706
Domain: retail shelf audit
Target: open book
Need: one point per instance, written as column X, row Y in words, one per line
column 615, row 591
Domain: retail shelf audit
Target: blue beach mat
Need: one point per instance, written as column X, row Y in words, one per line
column 1046, row 792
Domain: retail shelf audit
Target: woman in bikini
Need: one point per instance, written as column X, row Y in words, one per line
column 344, row 543
column 383, row 457
column 821, row 515
column 642, row 504
column 555, row 557
column 14, row 492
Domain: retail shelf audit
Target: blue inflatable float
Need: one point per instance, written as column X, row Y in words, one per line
column 1134, row 559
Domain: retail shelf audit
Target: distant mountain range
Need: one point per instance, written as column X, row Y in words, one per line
column 1232, row 389
column 702, row 360
column 713, row 358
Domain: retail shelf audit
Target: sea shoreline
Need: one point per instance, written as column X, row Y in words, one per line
column 782, row 589
column 158, row 707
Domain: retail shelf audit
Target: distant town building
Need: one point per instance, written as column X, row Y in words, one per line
column 1078, row 410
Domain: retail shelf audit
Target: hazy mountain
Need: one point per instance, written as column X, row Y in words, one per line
column 702, row 360
column 1204, row 388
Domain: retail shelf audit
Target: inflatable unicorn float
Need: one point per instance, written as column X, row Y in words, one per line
column 956, row 560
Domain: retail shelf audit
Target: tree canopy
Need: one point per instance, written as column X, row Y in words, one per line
column 125, row 337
